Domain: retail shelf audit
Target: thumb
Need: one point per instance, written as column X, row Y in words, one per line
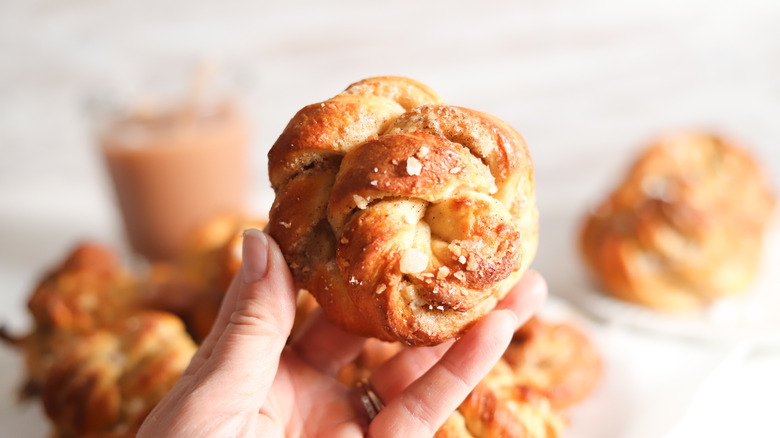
column 246, row 354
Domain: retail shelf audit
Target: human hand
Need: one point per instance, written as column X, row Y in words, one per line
column 244, row 381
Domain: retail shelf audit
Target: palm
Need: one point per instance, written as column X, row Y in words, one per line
column 309, row 402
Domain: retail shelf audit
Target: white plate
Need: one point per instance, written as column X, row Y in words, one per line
column 640, row 371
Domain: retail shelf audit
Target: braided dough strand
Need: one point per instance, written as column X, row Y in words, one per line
column 406, row 218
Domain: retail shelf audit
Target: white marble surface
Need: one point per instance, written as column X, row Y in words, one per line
column 586, row 83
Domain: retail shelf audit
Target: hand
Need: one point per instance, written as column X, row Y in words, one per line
column 244, row 381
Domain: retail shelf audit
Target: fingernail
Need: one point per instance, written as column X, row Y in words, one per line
column 513, row 316
column 540, row 289
column 530, row 277
column 536, row 296
column 255, row 255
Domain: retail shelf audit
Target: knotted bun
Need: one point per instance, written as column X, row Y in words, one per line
column 107, row 380
column 405, row 217
column 684, row 227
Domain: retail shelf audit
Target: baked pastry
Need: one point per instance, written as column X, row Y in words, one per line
column 407, row 218
column 500, row 407
column 214, row 250
column 109, row 379
column 215, row 253
column 555, row 360
column 684, row 227
column 193, row 285
column 89, row 288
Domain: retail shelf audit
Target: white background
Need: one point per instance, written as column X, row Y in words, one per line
column 588, row 84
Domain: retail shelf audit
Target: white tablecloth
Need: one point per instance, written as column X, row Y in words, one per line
column 586, row 83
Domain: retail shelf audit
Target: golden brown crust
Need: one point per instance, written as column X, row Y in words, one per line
column 406, row 218
column 111, row 378
column 454, row 427
column 406, row 92
column 684, row 227
column 555, row 360
column 88, row 289
column 193, row 286
column 501, row 407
